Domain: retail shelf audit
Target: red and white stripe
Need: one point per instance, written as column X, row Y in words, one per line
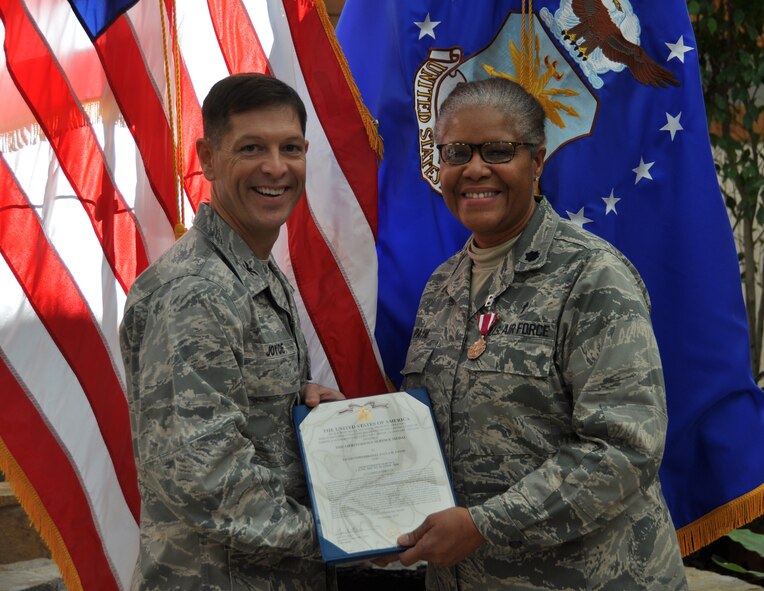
column 87, row 201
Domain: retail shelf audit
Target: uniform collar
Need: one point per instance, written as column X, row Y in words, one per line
column 223, row 236
column 237, row 252
column 532, row 248
column 529, row 252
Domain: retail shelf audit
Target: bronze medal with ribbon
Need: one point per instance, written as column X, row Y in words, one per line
column 486, row 322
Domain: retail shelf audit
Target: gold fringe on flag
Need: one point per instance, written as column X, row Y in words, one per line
column 38, row 515
column 375, row 141
column 721, row 521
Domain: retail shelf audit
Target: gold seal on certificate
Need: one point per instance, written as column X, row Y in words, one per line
column 363, row 415
column 375, row 469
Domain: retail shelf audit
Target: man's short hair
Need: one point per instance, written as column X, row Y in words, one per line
column 244, row 92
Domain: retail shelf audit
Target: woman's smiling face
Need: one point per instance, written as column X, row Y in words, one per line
column 494, row 201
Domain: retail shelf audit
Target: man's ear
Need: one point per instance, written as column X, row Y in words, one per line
column 204, row 151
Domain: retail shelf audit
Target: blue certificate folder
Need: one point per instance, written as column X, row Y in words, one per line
column 329, row 551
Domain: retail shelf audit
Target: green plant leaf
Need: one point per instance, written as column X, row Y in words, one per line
column 750, row 540
column 760, row 216
column 736, row 568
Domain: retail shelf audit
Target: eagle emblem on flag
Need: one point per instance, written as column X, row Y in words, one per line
column 603, row 36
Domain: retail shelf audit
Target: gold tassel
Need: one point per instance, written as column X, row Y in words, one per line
column 721, row 521
column 174, row 112
column 179, row 126
column 38, row 515
column 369, row 123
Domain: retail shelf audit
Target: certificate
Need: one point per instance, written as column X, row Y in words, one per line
column 375, row 469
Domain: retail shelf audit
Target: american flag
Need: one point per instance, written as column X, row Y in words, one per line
column 99, row 100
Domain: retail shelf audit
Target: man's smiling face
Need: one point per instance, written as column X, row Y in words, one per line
column 257, row 173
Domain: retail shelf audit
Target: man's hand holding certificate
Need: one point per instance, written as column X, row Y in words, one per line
column 375, row 469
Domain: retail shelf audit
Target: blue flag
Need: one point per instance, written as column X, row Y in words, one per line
column 97, row 16
column 628, row 158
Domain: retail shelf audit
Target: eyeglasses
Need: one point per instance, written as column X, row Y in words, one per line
column 491, row 152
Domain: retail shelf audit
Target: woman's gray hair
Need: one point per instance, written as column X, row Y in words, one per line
column 510, row 99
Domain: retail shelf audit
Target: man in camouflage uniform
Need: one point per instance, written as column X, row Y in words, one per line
column 215, row 361
column 555, row 433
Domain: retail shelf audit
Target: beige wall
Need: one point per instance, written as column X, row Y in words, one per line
column 334, row 8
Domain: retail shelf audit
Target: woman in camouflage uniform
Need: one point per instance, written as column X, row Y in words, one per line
column 537, row 349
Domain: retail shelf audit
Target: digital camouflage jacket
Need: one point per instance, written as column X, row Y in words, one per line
column 555, row 433
column 215, row 360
